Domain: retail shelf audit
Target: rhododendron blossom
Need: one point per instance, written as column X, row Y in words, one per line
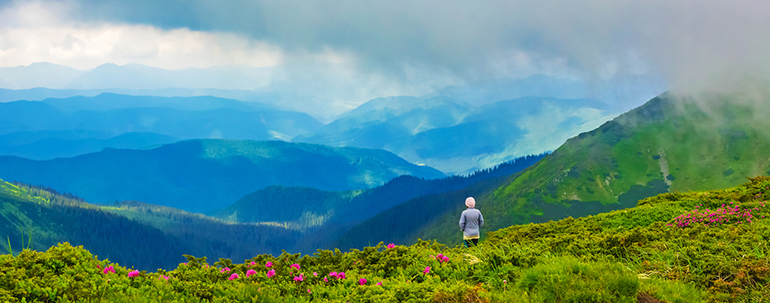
column 250, row 272
column 391, row 245
column 271, row 273
column 269, row 264
column 233, row 277
column 362, row 281
column 133, row 274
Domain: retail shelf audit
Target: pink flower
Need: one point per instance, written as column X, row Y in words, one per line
column 295, row 265
column 109, row 269
column 271, row 273
column 505, row 281
column 299, row 278
column 308, row 291
column 379, row 283
column 185, row 263
column 233, row 277
column 269, row 264
column 426, row 271
column 225, row 269
column 133, row 274
column 326, row 280
column 250, row 272
column 391, row 245
column 333, row 274
column 97, row 266
column 315, row 274
column 445, row 259
column 340, row 275
column 362, row 281
column 163, row 277
column 253, row 263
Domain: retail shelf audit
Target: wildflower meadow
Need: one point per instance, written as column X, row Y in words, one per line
column 675, row 247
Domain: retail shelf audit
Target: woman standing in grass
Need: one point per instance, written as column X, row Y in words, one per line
column 470, row 222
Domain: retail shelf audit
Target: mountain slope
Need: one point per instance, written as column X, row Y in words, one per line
column 204, row 175
column 669, row 144
column 146, row 236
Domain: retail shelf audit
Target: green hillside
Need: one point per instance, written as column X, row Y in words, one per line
column 679, row 248
column 668, row 144
column 128, row 232
column 206, row 175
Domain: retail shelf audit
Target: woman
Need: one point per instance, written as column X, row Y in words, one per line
column 470, row 221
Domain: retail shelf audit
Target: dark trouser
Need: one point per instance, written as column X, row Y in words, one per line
column 474, row 242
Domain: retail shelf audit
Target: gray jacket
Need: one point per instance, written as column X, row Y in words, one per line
column 470, row 221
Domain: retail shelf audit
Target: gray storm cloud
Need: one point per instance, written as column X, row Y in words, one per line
column 693, row 44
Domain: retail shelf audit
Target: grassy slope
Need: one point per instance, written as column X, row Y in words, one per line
column 620, row 256
column 632, row 157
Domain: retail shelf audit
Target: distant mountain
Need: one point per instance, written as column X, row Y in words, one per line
column 76, row 125
column 501, row 131
column 37, row 75
column 50, row 148
column 204, row 175
column 146, row 236
column 620, row 92
column 381, row 121
column 459, row 138
column 319, row 108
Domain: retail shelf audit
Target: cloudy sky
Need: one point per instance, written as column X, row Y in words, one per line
column 692, row 44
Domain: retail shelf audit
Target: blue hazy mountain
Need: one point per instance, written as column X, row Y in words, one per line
column 381, row 121
column 53, row 147
column 620, row 92
column 502, row 131
column 76, row 125
column 455, row 137
column 204, row 175
column 319, row 108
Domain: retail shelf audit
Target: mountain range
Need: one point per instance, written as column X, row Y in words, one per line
column 73, row 126
column 205, row 175
column 456, row 137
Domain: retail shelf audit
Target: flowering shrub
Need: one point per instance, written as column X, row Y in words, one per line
column 735, row 213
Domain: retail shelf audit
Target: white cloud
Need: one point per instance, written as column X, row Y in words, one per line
column 39, row 32
column 88, row 47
